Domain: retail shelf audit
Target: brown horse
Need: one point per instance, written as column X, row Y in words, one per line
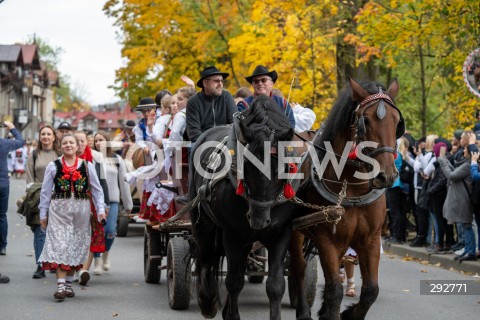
column 362, row 113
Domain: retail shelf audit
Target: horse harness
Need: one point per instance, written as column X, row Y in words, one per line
column 359, row 127
column 333, row 213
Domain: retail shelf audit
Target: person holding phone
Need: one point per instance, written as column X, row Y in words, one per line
column 437, row 192
column 458, row 207
column 6, row 146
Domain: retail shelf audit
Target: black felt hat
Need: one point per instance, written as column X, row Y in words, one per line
column 210, row 71
column 261, row 71
column 146, row 104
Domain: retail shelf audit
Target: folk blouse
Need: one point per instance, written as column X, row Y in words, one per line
column 48, row 187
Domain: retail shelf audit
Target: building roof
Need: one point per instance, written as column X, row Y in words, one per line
column 30, row 56
column 10, row 53
column 117, row 118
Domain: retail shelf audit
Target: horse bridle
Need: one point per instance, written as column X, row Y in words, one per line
column 358, row 123
column 238, row 117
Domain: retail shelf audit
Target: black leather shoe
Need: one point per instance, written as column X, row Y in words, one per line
column 467, row 257
column 418, row 242
column 39, row 273
column 3, row 251
column 394, row 241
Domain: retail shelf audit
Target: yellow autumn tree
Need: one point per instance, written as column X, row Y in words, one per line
column 164, row 39
column 424, row 44
column 297, row 39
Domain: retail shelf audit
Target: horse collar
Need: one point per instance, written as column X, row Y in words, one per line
column 328, row 195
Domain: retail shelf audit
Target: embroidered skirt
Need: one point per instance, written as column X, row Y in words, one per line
column 67, row 239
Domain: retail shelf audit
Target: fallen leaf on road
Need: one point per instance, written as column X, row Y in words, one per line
column 437, row 264
column 424, row 262
column 407, row 258
column 135, row 284
column 424, row 271
column 476, row 275
column 115, row 315
column 406, row 290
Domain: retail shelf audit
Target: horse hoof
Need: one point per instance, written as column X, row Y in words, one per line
column 209, row 315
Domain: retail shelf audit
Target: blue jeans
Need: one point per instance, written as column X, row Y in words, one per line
column 477, row 222
column 110, row 227
column 469, row 237
column 39, row 236
column 460, row 235
column 4, row 192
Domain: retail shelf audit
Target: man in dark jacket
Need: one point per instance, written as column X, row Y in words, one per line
column 6, row 146
column 213, row 106
column 262, row 82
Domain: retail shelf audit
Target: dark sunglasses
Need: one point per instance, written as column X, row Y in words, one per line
column 217, row 81
column 262, row 80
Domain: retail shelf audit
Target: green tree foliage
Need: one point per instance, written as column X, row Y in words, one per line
column 313, row 45
column 424, row 44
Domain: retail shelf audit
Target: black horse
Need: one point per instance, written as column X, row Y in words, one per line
column 234, row 213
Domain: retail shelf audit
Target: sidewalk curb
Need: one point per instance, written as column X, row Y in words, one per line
column 445, row 260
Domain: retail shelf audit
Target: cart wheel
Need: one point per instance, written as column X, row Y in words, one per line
column 311, row 277
column 259, row 279
column 152, row 258
column 179, row 274
column 122, row 224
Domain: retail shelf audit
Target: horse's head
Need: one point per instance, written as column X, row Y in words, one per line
column 261, row 185
column 376, row 119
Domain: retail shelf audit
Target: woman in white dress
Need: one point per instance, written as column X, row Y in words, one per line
column 65, row 213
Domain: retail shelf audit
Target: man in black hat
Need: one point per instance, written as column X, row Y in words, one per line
column 63, row 128
column 262, row 82
column 213, row 106
column 144, row 129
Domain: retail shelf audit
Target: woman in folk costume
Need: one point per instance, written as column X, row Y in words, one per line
column 118, row 188
column 98, row 234
column 64, row 206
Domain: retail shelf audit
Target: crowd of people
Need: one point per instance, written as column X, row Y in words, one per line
column 69, row 206
column 438, row 184
column 72, row 211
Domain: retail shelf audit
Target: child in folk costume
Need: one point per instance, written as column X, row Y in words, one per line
column 20, row 160
column 347, row 266
column 65, row 213
column 98, row 234
column 10, row 157
column 163, row 124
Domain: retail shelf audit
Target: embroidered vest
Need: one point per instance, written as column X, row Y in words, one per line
column 63, row 187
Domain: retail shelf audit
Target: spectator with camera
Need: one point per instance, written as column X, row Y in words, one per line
column 458, row 207
column 6, row 145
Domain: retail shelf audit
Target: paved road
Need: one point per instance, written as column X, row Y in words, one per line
column 123, row 294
